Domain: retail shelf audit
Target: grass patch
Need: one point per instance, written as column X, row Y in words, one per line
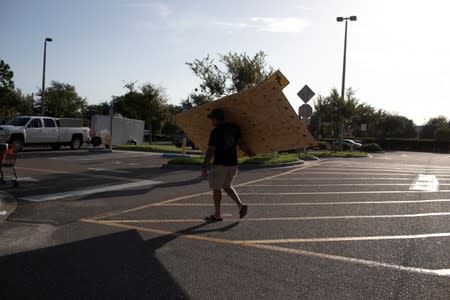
column 307, row 156
column 268, row 159
column 341, row 154
column 193, row 160
column 155, row 148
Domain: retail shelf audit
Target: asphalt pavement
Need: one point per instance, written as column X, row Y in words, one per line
column 118, row 226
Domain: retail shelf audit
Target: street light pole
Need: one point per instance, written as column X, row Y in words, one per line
column 341, row 119
column 43, row 75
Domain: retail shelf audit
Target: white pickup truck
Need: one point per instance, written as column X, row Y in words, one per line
column 40, row 130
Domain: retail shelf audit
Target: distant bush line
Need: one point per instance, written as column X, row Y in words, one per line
column 403, row 144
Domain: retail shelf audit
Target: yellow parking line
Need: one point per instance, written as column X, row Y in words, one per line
column 358, row 261
column 364, row 262
column 119, row 212
column 43, row 170
column 306, row 218
column 160, row 232
column 350, row 238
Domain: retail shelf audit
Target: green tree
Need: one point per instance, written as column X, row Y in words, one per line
column 442, row 134
column 397, row 126
column 95, row 109
column 6, row 77
column 12, row 101
column 332, row 107
column 213, row 80
column 245, row 71
column 62, row 101
column 149, row 103
column 236, row 72
column 430, row 127
column 170, row 127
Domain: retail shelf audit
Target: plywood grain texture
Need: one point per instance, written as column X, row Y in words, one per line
column 267, row 120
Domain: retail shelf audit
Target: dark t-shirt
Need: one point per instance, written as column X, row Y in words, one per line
column 225, row 138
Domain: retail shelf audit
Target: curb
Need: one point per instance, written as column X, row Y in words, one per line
column 241, row 167
column 8, row 205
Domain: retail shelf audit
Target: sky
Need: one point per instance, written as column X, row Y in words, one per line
column 398, row 51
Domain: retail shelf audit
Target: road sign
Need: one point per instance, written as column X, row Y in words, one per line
column 363, row 127
column 305, row 111
column 306, row 93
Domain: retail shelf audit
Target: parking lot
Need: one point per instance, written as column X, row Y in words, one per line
column 117, row 225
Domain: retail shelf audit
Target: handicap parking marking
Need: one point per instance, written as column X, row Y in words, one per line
column 427, row 183
column 90, row 191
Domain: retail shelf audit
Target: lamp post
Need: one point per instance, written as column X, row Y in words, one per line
column 341, row 119
column 43, row 75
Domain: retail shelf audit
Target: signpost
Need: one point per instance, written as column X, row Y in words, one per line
column 305, row 111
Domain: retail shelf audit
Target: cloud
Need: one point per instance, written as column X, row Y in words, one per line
column 279, row 25
column 159, row 8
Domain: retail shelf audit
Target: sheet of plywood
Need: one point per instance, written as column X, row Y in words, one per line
column 267, row 120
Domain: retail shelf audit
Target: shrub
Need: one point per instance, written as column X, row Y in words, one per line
column 442, row 134
column 372, row 147
column 323, row 145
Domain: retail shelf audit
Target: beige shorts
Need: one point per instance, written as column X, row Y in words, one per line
column 221, row 176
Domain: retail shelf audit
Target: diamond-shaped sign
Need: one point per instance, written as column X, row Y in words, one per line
column 306, row 93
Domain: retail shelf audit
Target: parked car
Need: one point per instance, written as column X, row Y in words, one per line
column 351, row 143
column 40, row 130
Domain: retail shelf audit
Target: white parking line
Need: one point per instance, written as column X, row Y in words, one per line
column 379, row 170
column 108, row 170
column 352, row 173
column 344, row 178
column 395, row 202
column 337, row 193
column 332, row 184
column 85, row 192
column 109, row 156
column 27, row 179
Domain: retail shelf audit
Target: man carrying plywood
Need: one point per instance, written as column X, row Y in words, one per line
column 222, row 150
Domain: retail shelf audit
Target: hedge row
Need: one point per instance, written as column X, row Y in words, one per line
column 423, row 145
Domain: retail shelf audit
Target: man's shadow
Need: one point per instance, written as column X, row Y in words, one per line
column 120, row 265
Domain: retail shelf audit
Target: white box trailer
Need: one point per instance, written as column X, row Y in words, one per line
column 123, row 129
